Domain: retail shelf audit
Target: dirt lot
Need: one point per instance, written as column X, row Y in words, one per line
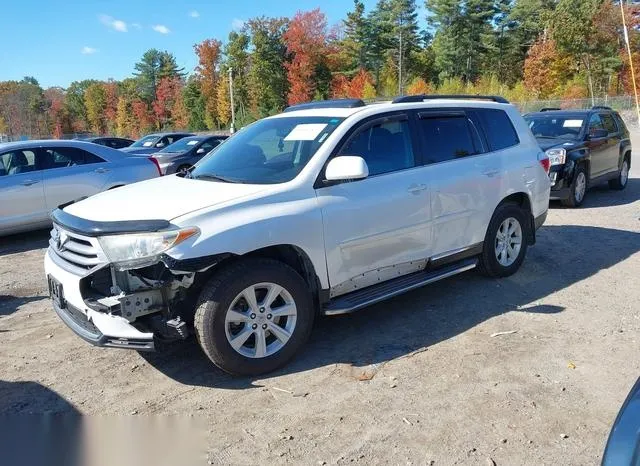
column 420, row 379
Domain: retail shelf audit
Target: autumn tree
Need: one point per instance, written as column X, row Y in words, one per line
column 305, row 39
column 208, row 52
column 418, row 87
column 545, row 69
column 154, row 66
column 143, row 120
column 95, row 101
column 123, row 117
column 166, row 96
column 57, row 114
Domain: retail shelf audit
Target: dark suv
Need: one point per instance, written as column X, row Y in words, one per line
column 585, row 147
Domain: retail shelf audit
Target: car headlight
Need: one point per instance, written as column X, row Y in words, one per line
column 142, row 249
column 557, row 156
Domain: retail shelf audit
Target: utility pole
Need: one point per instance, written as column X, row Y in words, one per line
column 233, row 110
column 633, row 74
column 400, row 67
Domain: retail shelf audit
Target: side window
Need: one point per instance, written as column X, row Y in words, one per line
column 164, row 142
column 446, row 137
column 595, row 123
column 207, row 146
column 498, row 128
column 60, row 157
column 17, row 162
column 385, row 146
column 609, row 123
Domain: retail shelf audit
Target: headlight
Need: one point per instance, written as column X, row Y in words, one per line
column 557, row 156
column 143, row 249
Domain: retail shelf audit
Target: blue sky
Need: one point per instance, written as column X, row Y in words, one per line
column 60, row 41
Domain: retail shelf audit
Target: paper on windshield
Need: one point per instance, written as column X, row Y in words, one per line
column 192, row 143
column 572, row 123
column 305, row 132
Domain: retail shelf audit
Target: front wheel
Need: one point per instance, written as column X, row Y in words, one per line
column 620, row 182
column 578, row 189
column 254, row 316
column 505, row 243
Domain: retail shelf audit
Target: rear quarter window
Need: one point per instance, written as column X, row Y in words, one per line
column 498, row 128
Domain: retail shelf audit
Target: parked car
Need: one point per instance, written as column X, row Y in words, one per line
column 152, row 142
column 623, row 446
column 184, row 153
column 38, row 176
column 323, row 209
column 114, row 143
column 585, row 147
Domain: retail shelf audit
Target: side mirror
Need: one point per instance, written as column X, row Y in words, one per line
column 201, row 151
column 346, row 167
column 160, row 144
column 598, row 133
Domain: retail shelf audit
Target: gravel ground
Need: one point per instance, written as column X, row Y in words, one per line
column 420, row 379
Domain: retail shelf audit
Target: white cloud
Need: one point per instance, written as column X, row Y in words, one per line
column 115, row 24
column 86, row 50
column 161, row 28
column 194, row 14
column 136, row 25
column 237, row 24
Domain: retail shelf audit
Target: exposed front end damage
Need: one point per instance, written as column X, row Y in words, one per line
column 107, row 304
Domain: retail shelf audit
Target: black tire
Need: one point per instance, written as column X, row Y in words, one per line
column 574, row 200
column 489, row 264
column 218, row 295
column 620, row 182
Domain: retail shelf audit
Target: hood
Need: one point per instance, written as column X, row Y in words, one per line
column 556, row 143
column 163, row 198
column 139, row 150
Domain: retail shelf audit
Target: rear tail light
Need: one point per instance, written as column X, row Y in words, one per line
column 155, row 162
column 544, row 161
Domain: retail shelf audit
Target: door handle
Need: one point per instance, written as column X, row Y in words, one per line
column 101, row 170
column 417, row 188
column 490, row 173
column 29, row 182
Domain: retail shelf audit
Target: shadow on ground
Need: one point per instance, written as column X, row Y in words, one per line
column 23, row 242
column 564, row 255
column 10, row 304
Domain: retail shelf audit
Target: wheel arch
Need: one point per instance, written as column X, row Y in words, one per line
column 522, row 200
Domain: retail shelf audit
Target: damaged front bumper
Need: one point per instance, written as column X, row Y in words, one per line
column 96, row 327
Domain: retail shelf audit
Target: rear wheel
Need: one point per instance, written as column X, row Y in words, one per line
column 578, row 189
column 620, row 182
column 254, row 316
column 505, row 243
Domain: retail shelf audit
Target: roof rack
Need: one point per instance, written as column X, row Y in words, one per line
column 332, row 103
column 550, row 109
column 601, row 107
column 420, row 98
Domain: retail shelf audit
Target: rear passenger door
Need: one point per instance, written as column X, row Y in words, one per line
column 598, row 147
column 72, row 173
column 613, row 142
column 466, row 151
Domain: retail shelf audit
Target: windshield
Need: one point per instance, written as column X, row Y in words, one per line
column 182, row 145
column 556, row 126
column 269, row 151
column 146, row 141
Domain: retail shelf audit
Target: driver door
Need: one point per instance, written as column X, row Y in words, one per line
column 377, row 228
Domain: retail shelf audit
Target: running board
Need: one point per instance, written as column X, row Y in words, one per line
column 373, row 294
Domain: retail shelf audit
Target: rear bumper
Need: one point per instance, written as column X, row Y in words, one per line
column 97, row 328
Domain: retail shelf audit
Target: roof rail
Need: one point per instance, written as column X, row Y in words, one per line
column 601, row 107
column 420, row 98
column 332, row 103
column 550, row 109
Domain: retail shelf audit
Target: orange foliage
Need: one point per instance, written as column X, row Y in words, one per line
column 545, row 68
column 419, row 86
column 208, row 52
column 143, row 118
column 305, row 39
column 342, row 87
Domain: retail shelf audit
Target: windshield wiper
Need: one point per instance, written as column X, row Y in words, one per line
column 213, row 178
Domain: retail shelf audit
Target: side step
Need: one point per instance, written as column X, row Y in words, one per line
column 365, row 297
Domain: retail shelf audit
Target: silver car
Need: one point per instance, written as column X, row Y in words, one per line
column 38, row 176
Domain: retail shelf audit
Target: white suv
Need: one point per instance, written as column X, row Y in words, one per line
column 323, row 209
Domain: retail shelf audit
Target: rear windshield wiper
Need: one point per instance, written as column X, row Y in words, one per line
column 213, row 178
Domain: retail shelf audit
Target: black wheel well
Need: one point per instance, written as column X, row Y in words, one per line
column 520, row 199
column 116, row 186
column 627, row 155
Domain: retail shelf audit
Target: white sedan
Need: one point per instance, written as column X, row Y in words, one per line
column 38, row 176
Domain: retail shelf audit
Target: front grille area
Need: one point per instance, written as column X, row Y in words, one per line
column 75, row 253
